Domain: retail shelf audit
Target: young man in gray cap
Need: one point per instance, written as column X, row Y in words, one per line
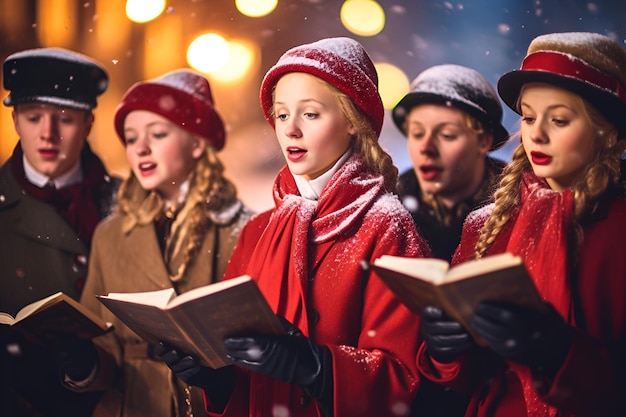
column 53, row 192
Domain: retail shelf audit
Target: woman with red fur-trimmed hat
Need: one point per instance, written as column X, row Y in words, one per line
column 561, row 207
column 351, row 345
column 177, row 221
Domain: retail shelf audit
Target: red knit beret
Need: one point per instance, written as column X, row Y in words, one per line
column 588, row 64
column 181, row 96
column 341, row 62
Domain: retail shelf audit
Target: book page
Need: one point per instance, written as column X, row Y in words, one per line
column 428, row 269
column 206, row 290
column 30, row 308
column 482, row 266
column 6, row 318
column 158, row 298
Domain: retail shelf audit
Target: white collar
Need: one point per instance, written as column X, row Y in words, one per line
column 71, row 177
column 311, row 190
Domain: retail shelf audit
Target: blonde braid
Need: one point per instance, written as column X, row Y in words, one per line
column 209, row 191
column 506, row 199
column 594, row 180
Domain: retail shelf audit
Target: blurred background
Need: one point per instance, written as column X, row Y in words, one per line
column 234, row 42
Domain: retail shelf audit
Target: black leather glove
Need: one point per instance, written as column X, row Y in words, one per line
column 540, row 340
column 76, row 357
column 292, row 358
column 445, row 338
column 218, row 383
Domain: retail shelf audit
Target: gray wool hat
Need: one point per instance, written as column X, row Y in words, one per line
column 456, row 86
column 53, row 76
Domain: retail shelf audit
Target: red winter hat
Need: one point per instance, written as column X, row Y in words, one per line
column 343, row 63
column 588, row 64
column 182, row 96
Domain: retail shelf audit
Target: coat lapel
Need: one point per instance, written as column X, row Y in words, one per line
column 144, row 256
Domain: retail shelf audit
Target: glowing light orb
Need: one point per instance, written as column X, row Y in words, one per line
column 142, row 11
column 393, row 84
column 208, row 52
column 256, row 8
column 363, row 17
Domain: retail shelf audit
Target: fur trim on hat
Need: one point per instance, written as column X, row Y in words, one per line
column 457, row 86
column 343, row 63
column 181, row 96
column 588, row 64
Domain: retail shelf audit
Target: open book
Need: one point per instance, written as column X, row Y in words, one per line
column 458, row 290
column 57, row 313
column 197, row 321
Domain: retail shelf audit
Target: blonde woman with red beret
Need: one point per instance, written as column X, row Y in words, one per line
column 177, row 221
column 351, row 345
column 561, row 207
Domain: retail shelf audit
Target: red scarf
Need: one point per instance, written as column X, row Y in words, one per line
column 300, row 229
column 77, row 203
column 540, row 236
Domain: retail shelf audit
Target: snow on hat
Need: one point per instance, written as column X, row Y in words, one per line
column 343, row 63
column 588, row 64
column 458, row 86
column 54, row 76
column 183, row 97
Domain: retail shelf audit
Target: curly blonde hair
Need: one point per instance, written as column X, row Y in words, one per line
column 592, row 182
column 209, row 192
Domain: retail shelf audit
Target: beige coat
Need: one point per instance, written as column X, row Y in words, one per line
column 137, row 383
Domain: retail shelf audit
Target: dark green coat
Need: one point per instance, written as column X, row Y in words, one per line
column 40, row 254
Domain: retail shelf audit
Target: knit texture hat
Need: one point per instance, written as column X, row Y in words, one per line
column 54, row 76
column 183, row 97
column 457, row 86
column 343, row 63
column 588, row 64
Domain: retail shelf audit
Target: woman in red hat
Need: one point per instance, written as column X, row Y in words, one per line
column 561, row 207
column 177, row 221
column 351, row 345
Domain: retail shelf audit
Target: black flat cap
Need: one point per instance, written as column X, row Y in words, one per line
column 53, row 76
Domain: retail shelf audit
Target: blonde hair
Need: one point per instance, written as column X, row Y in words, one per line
column 365, row 141
column 596, row 177
column 209, row 192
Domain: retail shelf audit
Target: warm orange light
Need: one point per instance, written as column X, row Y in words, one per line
column 256, row 8
column 393, row 84
column 363, row 17
column 241, row 58
column 208, row 53
column 142, row 11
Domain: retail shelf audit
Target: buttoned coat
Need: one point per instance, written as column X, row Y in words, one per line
column 40, row 254
column 136, row 382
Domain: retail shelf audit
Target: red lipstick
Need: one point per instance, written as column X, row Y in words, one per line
column 540, row 158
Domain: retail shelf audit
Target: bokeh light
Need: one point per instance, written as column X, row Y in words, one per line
column 241, row 58
column 362, row 17
column 256, row 8
column 208, row 53
column 142, row 11
column 393, row 84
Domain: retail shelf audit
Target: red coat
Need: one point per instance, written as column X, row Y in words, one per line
column 591, row 380
column 372, row 337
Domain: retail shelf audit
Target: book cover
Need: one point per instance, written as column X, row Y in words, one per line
column 419, row 282
column 57, row 313
column 197, row 321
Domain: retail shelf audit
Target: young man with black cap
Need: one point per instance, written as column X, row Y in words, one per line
column 452, row 118
column 53, row 191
